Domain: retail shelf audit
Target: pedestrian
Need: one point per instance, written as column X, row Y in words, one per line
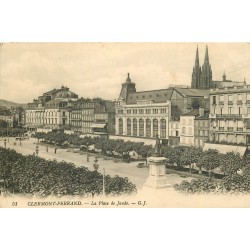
column 55, row 150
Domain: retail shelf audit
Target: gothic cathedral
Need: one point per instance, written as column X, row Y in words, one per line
column 202, row 76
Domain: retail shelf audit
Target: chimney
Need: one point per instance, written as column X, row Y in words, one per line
column 201, row 111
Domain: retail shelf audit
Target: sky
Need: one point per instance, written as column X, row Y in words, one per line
column 27, row 70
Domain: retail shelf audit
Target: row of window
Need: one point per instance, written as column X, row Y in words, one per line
column 201, row 132
column 175, row 125
column 201, row 123
column 231, row 111
column 145, row 111
column 135, row 129
column 230, row 98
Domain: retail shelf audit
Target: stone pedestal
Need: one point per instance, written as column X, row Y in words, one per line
column 157, row 177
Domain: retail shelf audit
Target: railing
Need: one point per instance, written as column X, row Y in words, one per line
column 221, row 103
column 229, row 116
column 230, row 102
column 239, row 102
column 240, row 129
column 230, row 129
column 221, row 128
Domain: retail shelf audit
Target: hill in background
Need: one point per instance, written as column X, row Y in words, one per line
column 9, row 104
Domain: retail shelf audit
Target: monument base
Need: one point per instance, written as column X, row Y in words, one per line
column 157, row 177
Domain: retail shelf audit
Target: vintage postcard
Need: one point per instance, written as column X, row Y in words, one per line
column 124, row 125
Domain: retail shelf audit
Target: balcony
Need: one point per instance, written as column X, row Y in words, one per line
column 230, row 103
column 247, row 101
column 211, row 116
column 230, row 129
column 229, row 116
column 240, row 129
column 221, row 128
column 239, row 102
column 221, row 103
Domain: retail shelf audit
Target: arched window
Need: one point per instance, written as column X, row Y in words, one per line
column 141, row 127
column 120, row 126
column 155, row 127
column 128, row 126
column 135, row 126
column 148, row 128
column 163, row 128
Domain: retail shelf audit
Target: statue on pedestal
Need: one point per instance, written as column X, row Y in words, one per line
column 157, row 147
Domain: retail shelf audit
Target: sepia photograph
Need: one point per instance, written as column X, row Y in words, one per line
column 124, row 124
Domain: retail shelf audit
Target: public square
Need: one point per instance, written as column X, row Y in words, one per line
column 112, row 167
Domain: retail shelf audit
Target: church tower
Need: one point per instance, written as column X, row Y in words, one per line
column 196, row 76
column 127, row 88
column 206, row 76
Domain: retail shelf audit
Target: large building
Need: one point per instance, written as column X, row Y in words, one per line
column 51, row 110
column 92, row 116
column 230, row 115
column 148, row 114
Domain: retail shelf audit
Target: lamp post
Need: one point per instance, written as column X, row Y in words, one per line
column 7, row 132
column 87, row 153
column 5, row 142
column 103, row 183
column 37, row 150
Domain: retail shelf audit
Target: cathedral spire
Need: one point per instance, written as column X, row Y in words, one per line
column 206, row 76
column 196, row 75
column 197, row 64
column 206, row 60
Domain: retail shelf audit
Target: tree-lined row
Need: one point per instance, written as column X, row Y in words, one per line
column 107, row 146
column 236, row 170
column 37, row 176
column 177, row 156
column 12, row 132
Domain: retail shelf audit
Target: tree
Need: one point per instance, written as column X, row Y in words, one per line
column 40, row 135
column 196, row 103
column 190, row 156
column 3, row 124
column 209, row 160
column 230, row 163
column 173, row 154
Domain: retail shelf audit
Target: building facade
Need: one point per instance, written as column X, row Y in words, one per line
column 92, row 116
column 51, row 110
column 201, row 130
column 149, row 113
column 6, row 116
column 174, row 133
column 187, row 128
column 230, row 115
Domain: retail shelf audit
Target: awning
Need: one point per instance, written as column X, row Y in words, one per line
column 223, row 148
column 98, row 125
column 100, row 133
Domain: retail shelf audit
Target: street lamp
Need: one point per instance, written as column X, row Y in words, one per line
column 103, row 183
column 37, row 150
column 87, row 153
column 5, row 142
column 7, row 132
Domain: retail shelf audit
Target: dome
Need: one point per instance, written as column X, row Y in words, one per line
column 65, row 93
